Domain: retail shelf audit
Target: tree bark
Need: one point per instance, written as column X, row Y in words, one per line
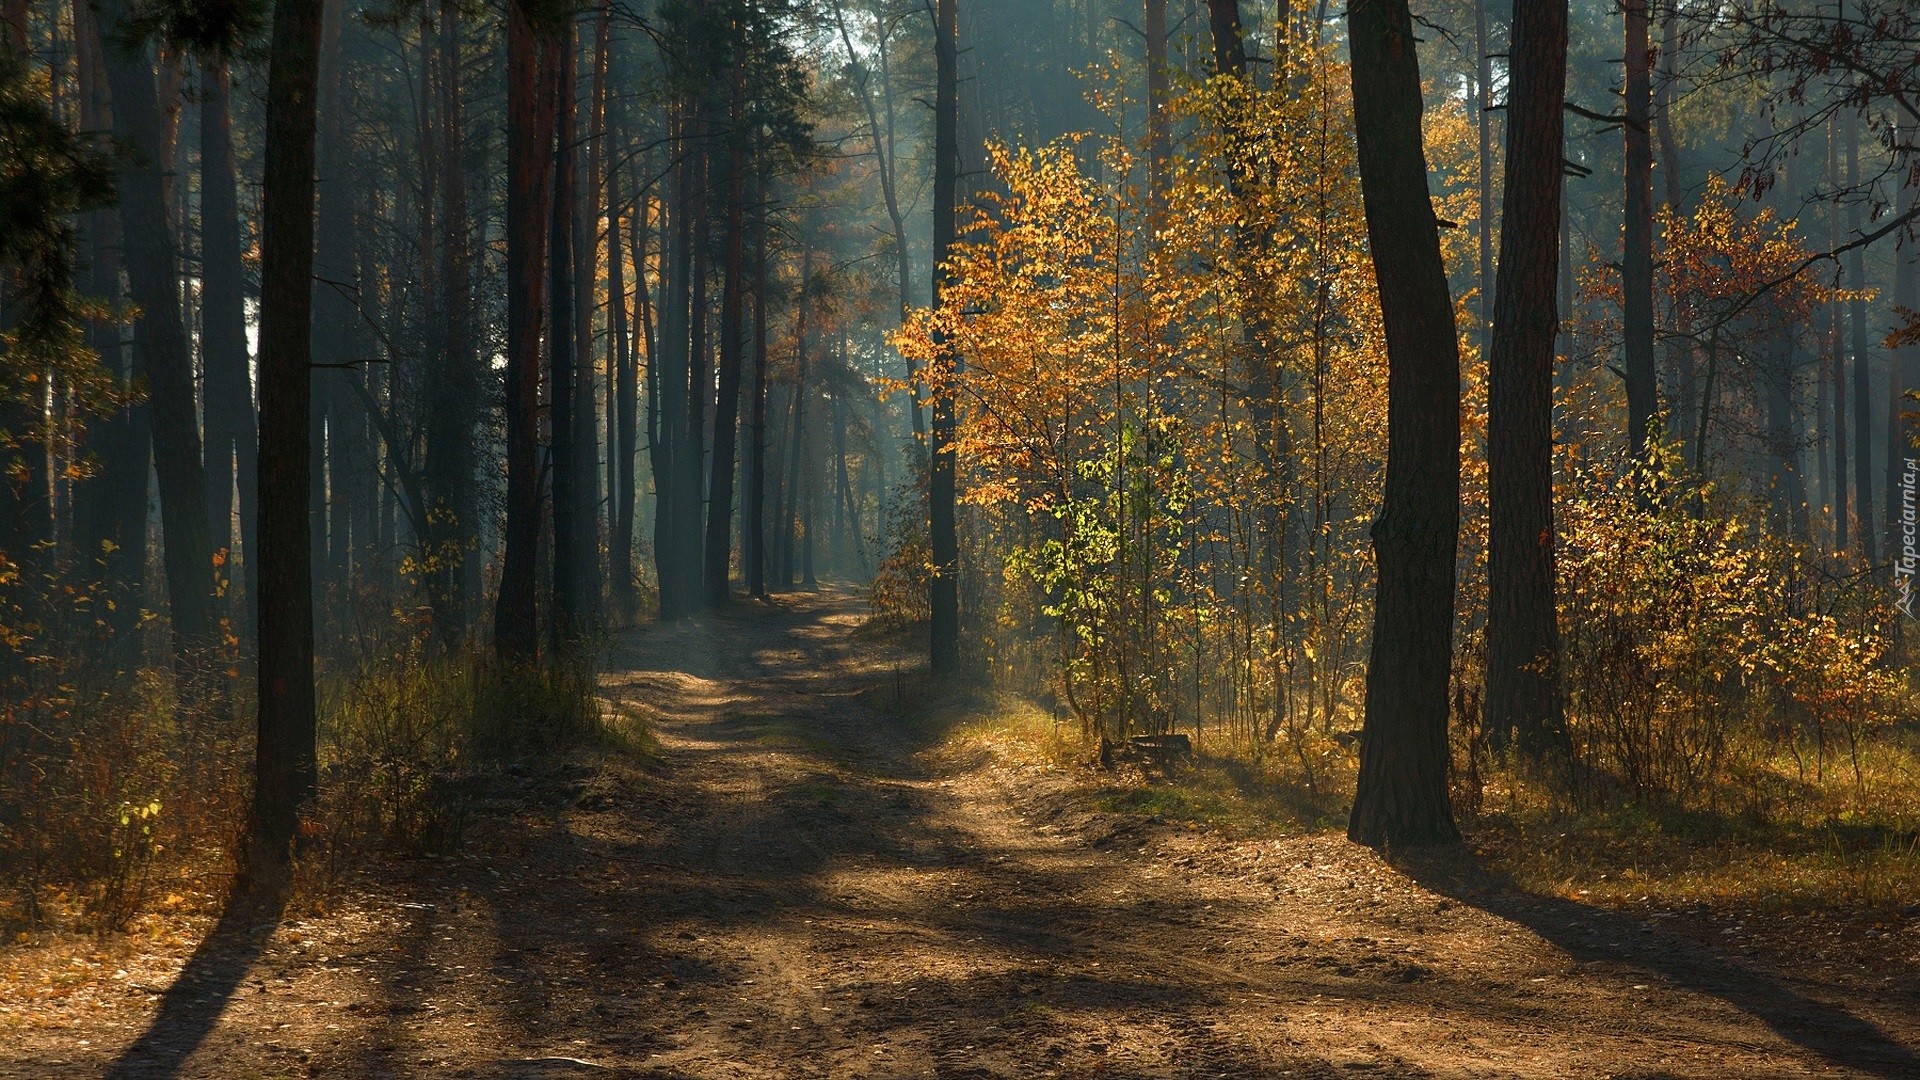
column 586, row 411
column 718, row 557
column 1637, row 274
column 624, row 425
column 530, row 118
column 1522, row 684
column 228, row 386
column 1862, row 379
column 452, row 513
column 161, row 338
column 944, row 584
column 753, row 525
column 1901, row 364
column 1484, row 81
column 563, row 400
column 1401, row 797
column 284, row 770
column 1837, row 359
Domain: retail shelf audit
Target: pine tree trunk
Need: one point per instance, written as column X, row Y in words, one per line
column 530, row 119
column 1862, row 378
column 1483, row 79
column 1903, row 363
column 586, row 410
column 161, row 339
column 284, row 770
column 1401, row 798
column 753, row 525
column 944, row 586
column 228, row 386
column 1637, row 278
column 563, row 400
column 717, row 561
column 1522, row 685
column 621, row 480
column 1837, row 359
column 452, row 512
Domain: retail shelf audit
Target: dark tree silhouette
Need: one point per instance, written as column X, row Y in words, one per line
column 1401, row 798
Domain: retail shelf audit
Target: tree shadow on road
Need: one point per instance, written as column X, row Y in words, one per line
column 1588, row 934
column 191, row 1007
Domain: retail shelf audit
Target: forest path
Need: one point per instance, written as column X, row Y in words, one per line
column 804, row 885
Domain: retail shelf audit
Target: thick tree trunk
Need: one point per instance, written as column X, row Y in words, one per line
column 284, row 771
column 1401, row 798
column 943, row 536
column 228, row 386
column 718, row 556
column 161, row 339
column 530, row 118
column 1637, row 276
column 1522, row 687
column 563, row 400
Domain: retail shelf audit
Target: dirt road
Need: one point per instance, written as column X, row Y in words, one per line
column 801, row 887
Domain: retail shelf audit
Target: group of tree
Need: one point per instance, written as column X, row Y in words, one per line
column 1248, row 362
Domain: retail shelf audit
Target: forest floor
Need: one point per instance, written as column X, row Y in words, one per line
column 801, row 883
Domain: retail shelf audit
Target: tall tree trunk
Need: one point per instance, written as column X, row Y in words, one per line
column 623, row 428
column 690, row 459
column 678, row 595
column 796, row 423
column 228, row 389
column 563, row 400
column 336, row 319
column 284, row 770
column 452, row 513
column 1483, row 80
column 586, row 413
column 883, row 165
column 753, row 524
column 1522, row 687
column 1902, row 364
column 161, row 338
column 1669, row 146
column 111, row 512
column 1637, row 276
column 726, row 407
column 944, row 585
column 1159, row 144
column 1401, row 798
column 1862, row 380
column 1837, row 358
column 530, row 118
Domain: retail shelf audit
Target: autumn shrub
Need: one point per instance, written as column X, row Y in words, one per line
column 106, row 780
column 1696, row 644
column 402, row 737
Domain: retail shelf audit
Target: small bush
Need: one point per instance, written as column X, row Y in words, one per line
column 402, row 737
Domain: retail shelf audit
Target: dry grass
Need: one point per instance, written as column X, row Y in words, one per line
column 1786, row 836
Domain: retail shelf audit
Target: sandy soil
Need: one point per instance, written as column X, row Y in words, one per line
column 803, row 886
